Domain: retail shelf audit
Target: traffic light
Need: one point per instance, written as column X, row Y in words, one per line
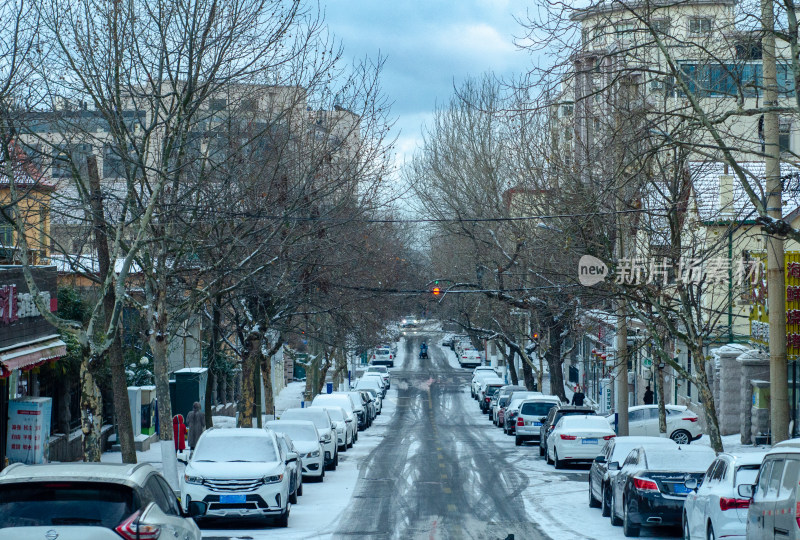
column 436, row 291
column 535, row 336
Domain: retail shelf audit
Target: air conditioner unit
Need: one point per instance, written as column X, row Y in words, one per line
column 631, row 377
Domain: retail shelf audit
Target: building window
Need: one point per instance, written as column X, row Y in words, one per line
column 218, row 104
column 60, row 168
column 113, row 166
column 785, row 135
column 699, row 26
column 6, row 235
column 624, row 27
column 566, row 110
column 598, row 32
column 660, row 26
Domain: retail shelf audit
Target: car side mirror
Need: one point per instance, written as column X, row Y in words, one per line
column 746, row 490
column 613, row 466
column 542, row 418
column 600, row 459
column 290, row 457
column 197, row 508
column 691, row 483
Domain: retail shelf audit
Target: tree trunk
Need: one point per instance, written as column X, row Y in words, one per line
column 707, row 398
column 662, row 402
column 252, row 350
column 91, row 412
column 527, row 373
column 266, row 374
column 257, row 391
column 512, row 369
column 119, row 383
column 323, row 372
column 216, row 315
column 555, row 363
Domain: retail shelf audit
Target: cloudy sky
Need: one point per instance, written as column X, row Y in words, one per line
column 429, row 46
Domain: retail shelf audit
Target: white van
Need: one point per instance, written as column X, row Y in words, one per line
column 774, row 498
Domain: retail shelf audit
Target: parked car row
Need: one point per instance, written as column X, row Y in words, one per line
column 465, row 351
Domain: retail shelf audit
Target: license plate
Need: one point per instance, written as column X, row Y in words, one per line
column 232, row 499
column 680, row 489
column 537, row 423
column 589, row 441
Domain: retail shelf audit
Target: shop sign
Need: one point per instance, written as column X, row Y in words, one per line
column 28, row 430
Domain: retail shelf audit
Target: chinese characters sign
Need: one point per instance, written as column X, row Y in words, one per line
column 689, row 270
column 28, row 430
column 15, row 306
column 759, row 315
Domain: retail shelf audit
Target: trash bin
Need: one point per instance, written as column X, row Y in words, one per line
column 329, row 387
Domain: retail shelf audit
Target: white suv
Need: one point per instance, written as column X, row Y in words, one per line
column 683, row 426
column 239, row 473
column 91, row 500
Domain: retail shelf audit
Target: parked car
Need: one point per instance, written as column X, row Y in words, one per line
column 372, row 408
column 552, row 418
column 305, row 437
column 346, row 403
column 382, row 357
column 487, row 389
column 682, row 424
column 774, row 497
column 650, row 488
column 240, row 473
column 92, row 500
column 470, row 358
column 325, row 427
column 577, row 439
column 714, row 509
column 500, row 399
column 529, row 418
column 477, row 379
column 615, row 451
column 339, row 419
column 360, row 406
column 512, row 410
column 384, row 372
column 374, row 393
column 375, row 380
column 295, row 467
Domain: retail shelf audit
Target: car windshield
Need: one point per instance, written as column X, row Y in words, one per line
column 746, row 474
column 297, row 432
column 319, row 418
column 492, row 390
column 335, row 414
column 536, row 408
column 230, row 449
column 48, row 504
column 659, row 460
column 582, row 422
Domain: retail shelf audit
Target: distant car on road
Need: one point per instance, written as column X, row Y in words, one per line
column 382, row 357
column 715, row 509
column 577, row 439
column 552, row 419
column 384, row 372
column 327, row 431
column 470, row 358
column 500, row 399
column 305, row 437
column 92, row 500
column 529, row 419
column 512, row 410
column 683, row 426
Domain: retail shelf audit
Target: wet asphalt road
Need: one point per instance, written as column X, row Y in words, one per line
column 435, row 476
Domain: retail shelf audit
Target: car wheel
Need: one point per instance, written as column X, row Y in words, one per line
column 681, row 436
column 629, row 528
column 547, row 458
column 710, row 533
column 614, row 519
column 505, row 430
column 593, row 503
column 686, row 534
column 541, row 450
column 283, row 519
column 350, row 444
column 558, row 463
column 605, row 503
column 336, row 460
column 517, row 441
column 300, row 489
column 293, row 497
column 322, row 476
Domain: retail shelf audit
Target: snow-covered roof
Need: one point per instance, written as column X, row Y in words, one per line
column 85, row 264
column 706, row 183
column 25, row 171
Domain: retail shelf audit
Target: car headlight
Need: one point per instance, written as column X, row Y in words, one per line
column 315, row 453
column 326, row 438
column 193, row 479
column 274, row 479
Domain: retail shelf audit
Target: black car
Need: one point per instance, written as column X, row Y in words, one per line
column 491, row 389
column 552, row 418
column 650, row 487
column 615, row 451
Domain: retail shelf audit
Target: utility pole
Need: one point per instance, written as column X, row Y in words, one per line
column 776, row 279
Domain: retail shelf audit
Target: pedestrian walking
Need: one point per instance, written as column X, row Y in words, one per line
column 196, row 422
column 578, row 396
column 648, row 395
